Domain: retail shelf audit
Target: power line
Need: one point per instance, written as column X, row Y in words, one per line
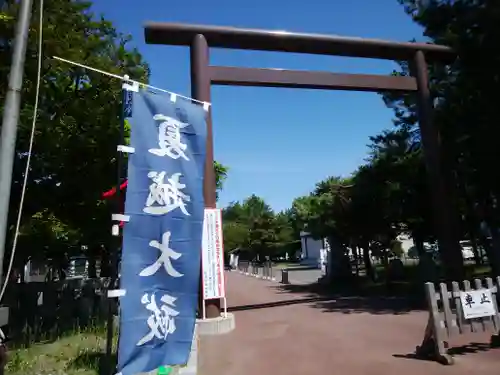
column 205, row 104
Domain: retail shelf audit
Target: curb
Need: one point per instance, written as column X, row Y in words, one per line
column 216, row 326
column 258, row 276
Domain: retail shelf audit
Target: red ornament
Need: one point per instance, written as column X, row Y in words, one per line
column 110, row 193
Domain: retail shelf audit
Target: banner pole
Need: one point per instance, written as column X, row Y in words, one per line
column 117, row 247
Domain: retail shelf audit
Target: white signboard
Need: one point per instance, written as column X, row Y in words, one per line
column 212, row 255
column 477, row 303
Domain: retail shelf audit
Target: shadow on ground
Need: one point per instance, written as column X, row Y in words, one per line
column 398, row 293
column 94, row 360
column 473, row 347
column 301, row 267
column 392, row 300
column 278, row 304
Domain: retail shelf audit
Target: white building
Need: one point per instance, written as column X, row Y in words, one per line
column 311, row 249
column 313, row 252
column 406, row 243
column 316, row 253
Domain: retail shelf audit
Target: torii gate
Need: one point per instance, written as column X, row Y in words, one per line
column 199, row 38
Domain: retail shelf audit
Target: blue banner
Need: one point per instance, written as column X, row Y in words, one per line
column 160, row 264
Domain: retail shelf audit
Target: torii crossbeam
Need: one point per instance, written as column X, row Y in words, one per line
column 200, row 38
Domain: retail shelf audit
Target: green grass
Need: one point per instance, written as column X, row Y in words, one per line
column 477, row 271
column 409, row 285
column 472, row 271
column 280, row 265
column 80, row 353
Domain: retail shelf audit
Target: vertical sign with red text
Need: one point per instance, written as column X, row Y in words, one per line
column 213, row 255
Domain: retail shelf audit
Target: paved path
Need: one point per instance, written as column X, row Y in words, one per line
column 303, row 276
column 289, row 334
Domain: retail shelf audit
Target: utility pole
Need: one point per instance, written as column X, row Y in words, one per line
column 10, row 120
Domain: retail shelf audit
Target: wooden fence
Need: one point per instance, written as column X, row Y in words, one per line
column 264, row 270
column 461, row 310
column 42, row 311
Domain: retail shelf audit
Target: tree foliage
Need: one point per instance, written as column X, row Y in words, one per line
column 74, row 156
column 253, row 227
column 389, row 195
column 221, row 172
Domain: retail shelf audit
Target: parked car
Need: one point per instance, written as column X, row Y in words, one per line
column 429, row 248
column 467, row 251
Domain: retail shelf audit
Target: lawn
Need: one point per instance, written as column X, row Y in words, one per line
column 410, row 284
column 280, row 265
column 75, row 354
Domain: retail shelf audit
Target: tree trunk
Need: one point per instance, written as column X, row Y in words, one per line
column 494, row 253
column 447, row 230
column 452, row 259
column 488, row 232
column 355, row 253
column 105, row 264
column 419, row 244
column 368, row 263
column 340, row 264
column 385, row 260
column 489, row 229
column 92, row 270
column 477, row 256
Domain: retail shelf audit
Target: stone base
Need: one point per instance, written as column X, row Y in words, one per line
column 216, row 326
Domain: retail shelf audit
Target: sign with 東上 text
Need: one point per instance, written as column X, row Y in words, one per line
column 477, row 303
column 213, row 255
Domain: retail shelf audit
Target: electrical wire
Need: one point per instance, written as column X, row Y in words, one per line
column 205, row 104
column 30, row 149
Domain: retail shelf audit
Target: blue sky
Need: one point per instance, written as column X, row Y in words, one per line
column 278, row 143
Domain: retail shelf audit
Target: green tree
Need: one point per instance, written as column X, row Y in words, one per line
column 287, row 234
column 221, row 172
column 321, row 212
column 325, row 214
column 466, row 114
column 254, row 227
column 74, row 158
column 389, row 194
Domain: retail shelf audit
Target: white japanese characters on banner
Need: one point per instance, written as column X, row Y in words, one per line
column 160, row 263
column 477, row 303
column 213, row 255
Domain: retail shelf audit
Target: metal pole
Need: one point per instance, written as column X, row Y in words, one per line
column 200, row 90
column 117, row 248
column 10, row 120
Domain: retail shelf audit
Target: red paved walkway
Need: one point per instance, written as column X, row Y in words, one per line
column 308, row 339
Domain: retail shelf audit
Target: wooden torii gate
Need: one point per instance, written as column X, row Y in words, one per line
column 200, row 38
